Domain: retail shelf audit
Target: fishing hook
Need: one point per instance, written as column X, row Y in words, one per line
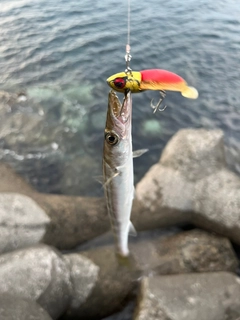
column 157, row 107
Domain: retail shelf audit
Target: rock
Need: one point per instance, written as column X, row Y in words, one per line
column 73, row 220
column 217, row 203
column 83, row 275
column 195, row 251
column 185, row 252
column 39, row 274
column 195, row 153
column 167, row 194
column 212, row 296
column 22, row 222
column 12, row 182
column 149, row 307
column 17, row 308
column 114, row 282
column 125, row 314
column 151, row 253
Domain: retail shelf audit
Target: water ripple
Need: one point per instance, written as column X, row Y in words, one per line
column 73, row 44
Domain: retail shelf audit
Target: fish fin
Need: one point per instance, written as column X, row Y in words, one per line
column 132, row 231
column 139, row 153
column 99, row 179
column 190, row 92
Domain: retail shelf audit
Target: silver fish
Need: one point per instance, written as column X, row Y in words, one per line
column 118, row 169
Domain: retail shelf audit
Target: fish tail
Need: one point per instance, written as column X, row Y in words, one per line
column 189, row 92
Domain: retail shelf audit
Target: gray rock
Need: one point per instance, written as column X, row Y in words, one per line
column 114, row 282
column 149, row 307
column 125, row 314
column 212, row 296
column 83, row 275
column 17, row 308
column 167, row 193
column 217, row 203
column 99, row 293
column 195, row 153
column 195, row 251
column 22, row 222
column 12, row 182
column 73, row 220
column 39, row 274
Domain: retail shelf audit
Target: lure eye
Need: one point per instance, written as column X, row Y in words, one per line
column 120, row 83
column 111, row 138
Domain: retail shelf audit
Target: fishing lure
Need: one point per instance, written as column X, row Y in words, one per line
column 153, row 79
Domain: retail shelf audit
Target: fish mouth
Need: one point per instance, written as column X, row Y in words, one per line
column 114, row 104
column 122, row 112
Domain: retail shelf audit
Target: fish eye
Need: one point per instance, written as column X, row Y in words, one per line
column 119, row 83
column 111, row 138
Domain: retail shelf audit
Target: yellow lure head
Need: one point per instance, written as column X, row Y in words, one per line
column 125, row 81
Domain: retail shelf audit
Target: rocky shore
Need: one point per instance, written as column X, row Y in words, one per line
column 57, row 257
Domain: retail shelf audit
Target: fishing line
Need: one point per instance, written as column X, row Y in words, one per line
column 128, row 48
column 129, row 18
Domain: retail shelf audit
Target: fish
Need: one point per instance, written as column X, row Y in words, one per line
column 152, row 79
column 118, row 169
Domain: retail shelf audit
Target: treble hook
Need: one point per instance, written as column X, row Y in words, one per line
column 157, row 107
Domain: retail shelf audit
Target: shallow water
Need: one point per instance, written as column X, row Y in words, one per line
column 60, row 53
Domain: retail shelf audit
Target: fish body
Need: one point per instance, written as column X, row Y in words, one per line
column 153, row 79
column 118, row 168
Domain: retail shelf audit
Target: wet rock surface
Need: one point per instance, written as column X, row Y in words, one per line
column 17, row 308
column 202, row 296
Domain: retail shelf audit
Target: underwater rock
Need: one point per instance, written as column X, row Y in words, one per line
column 194, row 296
column 22, row 222
column 21, row 128
column 217, row 204
column 78, row 177
column 38, row 273
column 17, row 308
column 152, row 127
column 195, row 153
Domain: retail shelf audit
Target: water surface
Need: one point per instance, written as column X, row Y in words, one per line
column 60, row 52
